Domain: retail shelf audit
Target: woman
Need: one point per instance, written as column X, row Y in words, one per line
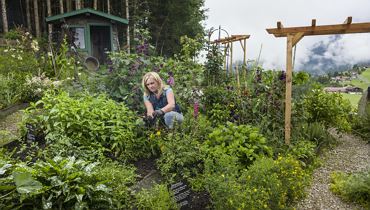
column 159, row 100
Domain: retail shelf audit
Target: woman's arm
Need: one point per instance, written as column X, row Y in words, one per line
column 149, row 108
column 170, row 102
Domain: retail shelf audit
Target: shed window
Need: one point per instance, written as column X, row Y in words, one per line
column 79, row 37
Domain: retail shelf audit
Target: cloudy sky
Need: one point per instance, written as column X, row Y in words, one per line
column 252, row 17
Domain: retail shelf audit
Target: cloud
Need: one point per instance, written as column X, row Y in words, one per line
column 253, row 17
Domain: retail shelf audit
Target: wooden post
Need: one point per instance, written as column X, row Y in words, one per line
column 5, row 18
column 237, row 77
column 50, row 27
column 226, row 46
column 37, row 20
column 231, row 58
column 61, row 7
column 245, row 53
column 288, row 89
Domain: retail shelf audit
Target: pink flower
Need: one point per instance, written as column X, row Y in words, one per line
column 196, row 109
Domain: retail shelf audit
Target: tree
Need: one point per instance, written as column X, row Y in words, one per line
column 37, row 20
column 5, row 18
column 170, row 19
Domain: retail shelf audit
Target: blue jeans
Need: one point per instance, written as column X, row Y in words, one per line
column 170, row 117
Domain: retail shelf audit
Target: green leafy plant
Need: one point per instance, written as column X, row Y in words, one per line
column 352, row 187
column 90, row 121
column 243, row 141
column 328, row 109
column 62, row 183
column 158, row 198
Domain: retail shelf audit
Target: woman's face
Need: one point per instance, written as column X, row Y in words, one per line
column 152, row 85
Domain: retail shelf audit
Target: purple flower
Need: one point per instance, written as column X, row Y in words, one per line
column 282, row 76
column 171, row 81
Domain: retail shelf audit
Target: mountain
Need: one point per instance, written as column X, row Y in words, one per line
column 327, row 56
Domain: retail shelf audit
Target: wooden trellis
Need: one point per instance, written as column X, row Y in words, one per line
column 228, row 44
column 294, row 35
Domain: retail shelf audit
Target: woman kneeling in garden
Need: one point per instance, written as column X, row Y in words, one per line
column 159, row 100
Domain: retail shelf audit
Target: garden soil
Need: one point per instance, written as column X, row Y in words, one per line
column 350, row 155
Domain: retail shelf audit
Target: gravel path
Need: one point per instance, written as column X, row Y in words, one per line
column 351, row 155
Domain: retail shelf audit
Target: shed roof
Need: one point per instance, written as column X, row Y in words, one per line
column 86, row 10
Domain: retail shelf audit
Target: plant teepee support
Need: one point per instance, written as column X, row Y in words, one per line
column 294, row 35
column 228, row 43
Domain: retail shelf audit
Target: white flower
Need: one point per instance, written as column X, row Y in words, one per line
column 79, row 74
column 6, row 50
column 13, row 56
column 20, row 57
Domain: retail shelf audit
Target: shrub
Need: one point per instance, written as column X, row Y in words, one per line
column 90, row 121
column 243, row 141
column 330, row 109
column 362, row 125
column 56, row 183
column 180, row 156
column 352, row 187
column 158, row 198
column 275, row 184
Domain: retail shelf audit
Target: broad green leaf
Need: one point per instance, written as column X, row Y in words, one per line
column 4, row 168
column 25, row 182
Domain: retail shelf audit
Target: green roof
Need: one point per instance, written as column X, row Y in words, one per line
column 86, row 10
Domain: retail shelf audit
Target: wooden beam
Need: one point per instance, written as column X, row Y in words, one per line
column 348, row 20
column 297, row 37
column 232, row 38
column 313, row 23
column 322, row 30
column 279, row 25
column 288, row 88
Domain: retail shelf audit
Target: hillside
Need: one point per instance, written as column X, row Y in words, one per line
column 363, row 81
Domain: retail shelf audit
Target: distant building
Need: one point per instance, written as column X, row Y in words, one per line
column 347, row 89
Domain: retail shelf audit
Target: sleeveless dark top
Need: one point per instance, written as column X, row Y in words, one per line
column 159, row 103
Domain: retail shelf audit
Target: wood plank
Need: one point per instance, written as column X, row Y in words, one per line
column 348, row 20
column 279, row 25
column 322, row 30
column 313, row 23
column 233, row 38
column 288, row 89
column 297, row 37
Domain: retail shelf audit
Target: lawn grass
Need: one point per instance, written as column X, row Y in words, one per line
column 353, row 98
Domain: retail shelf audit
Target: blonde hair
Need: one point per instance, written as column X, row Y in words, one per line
column 156, row 78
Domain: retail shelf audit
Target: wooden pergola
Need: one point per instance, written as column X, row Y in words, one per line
column 228, row 44
column 294, row 35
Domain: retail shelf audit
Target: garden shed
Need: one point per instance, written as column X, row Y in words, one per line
column 93, row 32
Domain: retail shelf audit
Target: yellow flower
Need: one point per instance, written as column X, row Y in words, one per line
column 158, row 133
